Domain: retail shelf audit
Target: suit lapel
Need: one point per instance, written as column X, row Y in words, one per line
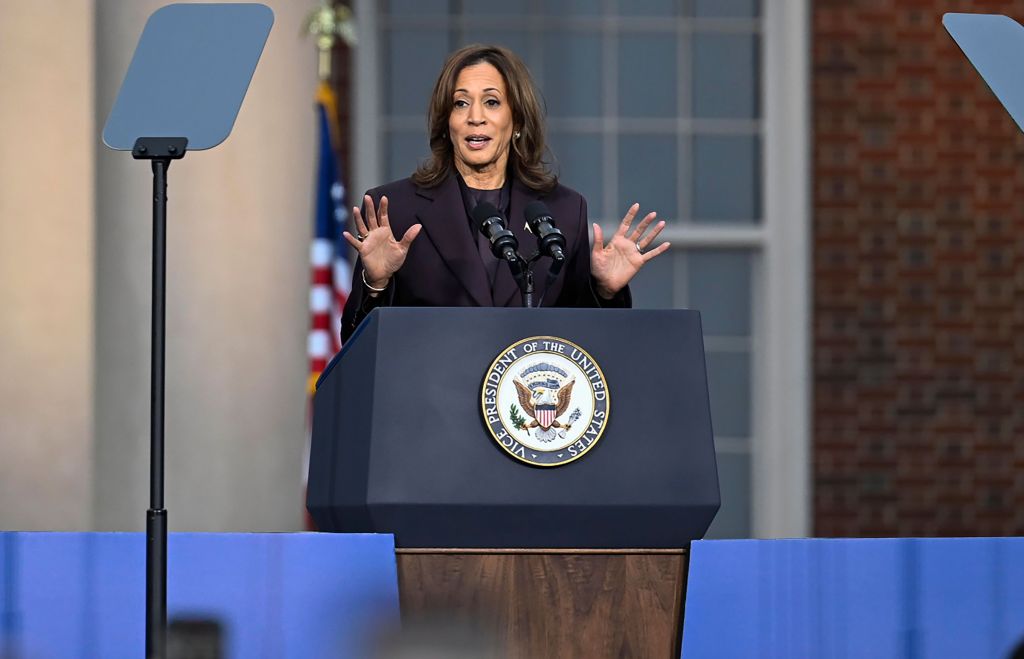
column 444, row 220
column 505, row 288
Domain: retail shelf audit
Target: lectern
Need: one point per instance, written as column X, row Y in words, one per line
column 542, row 470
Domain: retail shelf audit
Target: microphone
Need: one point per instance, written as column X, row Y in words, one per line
column 489, row 221
column 550, row 240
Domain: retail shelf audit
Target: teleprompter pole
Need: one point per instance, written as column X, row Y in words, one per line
column 160, row 151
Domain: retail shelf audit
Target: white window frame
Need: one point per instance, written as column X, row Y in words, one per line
column 781, row 477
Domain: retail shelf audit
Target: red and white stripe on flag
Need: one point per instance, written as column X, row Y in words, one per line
column 328, row 292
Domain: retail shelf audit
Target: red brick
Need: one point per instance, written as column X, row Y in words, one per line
column 919, row 284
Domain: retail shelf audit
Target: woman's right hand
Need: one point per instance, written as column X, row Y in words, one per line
column 379, row 252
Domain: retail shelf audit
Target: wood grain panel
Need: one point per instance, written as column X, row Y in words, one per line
column 545, row 604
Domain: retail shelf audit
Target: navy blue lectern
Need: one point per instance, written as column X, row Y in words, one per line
column 400, row 444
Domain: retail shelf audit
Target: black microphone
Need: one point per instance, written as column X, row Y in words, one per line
column 489, row 221
column 550, row 240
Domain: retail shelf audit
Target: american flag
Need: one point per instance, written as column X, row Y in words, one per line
column 331, row 273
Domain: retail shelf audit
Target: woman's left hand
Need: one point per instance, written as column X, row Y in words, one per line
column 614, row 264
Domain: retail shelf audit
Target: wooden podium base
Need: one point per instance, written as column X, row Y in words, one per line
column 564, row 603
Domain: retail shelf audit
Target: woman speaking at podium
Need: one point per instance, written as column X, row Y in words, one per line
column 486, row 130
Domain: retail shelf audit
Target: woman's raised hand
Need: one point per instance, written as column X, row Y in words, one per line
column 614, row 264
column 379, row 252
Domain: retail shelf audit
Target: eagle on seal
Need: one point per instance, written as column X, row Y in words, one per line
column 543, row 404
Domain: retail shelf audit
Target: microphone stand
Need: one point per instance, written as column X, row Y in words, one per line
column 522, row 272
column 523, row 275
column 556, row 267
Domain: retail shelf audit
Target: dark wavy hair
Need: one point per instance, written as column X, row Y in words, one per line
column 527, row 152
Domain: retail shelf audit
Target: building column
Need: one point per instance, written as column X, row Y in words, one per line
column 46, row 254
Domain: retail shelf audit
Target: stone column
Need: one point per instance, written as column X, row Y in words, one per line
column 46, row 256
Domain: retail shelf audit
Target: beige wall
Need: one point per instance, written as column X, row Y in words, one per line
column 46, row 256
column 74, row 397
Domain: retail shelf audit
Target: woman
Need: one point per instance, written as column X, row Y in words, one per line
column 487, row 143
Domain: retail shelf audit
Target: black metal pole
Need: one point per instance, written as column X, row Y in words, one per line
column 156, row 517
column 522, row 272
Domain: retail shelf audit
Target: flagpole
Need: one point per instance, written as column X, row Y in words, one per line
column 327, row 24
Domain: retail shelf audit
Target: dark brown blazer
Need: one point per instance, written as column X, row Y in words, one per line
column 444, row 266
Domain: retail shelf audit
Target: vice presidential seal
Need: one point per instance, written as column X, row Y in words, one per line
column 545, row 401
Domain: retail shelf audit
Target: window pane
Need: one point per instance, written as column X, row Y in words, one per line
column 405, row 152
column 733, row 519
column 729, row 382
column 573, row 84
column 515, row 40
column 727, row 8
column 648, row 170
column 491, row 7
column 724, row 76
column 726, row 177
column 719, row 285
column 415, row 59
column 572, row 7
column 652, row 288
column 647, row 75
column 418, row 7
column 578, row 165
column 647, row 7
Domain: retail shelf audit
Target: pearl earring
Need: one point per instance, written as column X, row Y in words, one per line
column 518, row 134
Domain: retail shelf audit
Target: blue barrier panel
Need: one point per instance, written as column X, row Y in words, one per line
column 855, row 598
column 270, row 595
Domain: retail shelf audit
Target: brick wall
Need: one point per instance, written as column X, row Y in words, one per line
column 918, row 279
